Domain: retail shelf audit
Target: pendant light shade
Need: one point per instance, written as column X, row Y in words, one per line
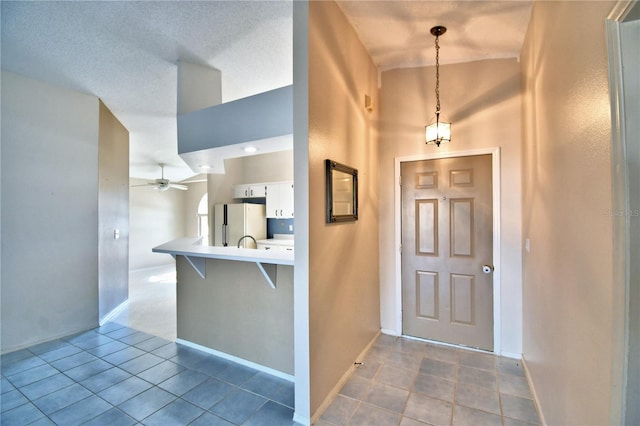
column 438, row 131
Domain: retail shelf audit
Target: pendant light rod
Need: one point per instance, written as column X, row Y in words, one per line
column 438, row 132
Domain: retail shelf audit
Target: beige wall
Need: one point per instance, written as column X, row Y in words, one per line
column 155, row 217
column 567, row 276
column 272, row 167
column 113, row 212
column 235, row 311
column 192, row 199
column 220, row 186
column 482, row 100
column 344, row 313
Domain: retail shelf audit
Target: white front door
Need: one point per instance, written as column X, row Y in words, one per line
column 447, row 238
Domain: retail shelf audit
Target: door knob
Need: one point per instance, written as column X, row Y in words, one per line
column 487, row 269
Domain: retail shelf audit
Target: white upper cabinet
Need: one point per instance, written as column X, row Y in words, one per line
column 254, row 190
column 280, row 200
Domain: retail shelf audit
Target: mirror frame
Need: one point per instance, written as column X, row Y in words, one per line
column 330, row 168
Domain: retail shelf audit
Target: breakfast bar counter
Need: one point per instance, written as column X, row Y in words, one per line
column 223, row 305
column 195, row 252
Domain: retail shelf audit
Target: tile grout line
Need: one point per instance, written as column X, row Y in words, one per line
column 455, row 387
column 499, row 395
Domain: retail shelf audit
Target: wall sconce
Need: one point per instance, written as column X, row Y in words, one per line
column 439, row 131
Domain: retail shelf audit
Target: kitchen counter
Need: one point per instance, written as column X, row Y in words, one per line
column 194, row 248
column 279, row 242
column 196, row 253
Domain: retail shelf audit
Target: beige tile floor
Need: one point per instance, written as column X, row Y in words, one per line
column 407, row 382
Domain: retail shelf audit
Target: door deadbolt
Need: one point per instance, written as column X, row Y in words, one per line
column 487, row 269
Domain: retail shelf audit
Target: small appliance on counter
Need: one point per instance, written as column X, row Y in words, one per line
column 234, row 221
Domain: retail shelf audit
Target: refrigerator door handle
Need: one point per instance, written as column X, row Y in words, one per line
column 225, row 243
column 224, row 235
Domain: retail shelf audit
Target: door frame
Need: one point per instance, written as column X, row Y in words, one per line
column 496, row 194
column 622, row 135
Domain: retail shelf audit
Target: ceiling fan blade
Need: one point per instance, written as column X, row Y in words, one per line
column 144, row 184
column 178, row 186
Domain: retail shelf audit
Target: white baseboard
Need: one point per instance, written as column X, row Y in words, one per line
column 389, row 332
column 121, row 307
column 301, row 420
column 4, row 350
column 345, row 377
column 511, row 355
column 238, row 360
column 533, row 392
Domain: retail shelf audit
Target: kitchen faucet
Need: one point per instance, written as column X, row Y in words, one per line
column 246, row 236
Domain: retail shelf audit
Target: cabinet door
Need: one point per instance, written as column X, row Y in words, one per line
column 273, row 201
column 286, row 200
column 257, row 191
column 240, row 191
column 280, row 200
column 249, row 191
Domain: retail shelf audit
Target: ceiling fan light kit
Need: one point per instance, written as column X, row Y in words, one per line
column 439, row 131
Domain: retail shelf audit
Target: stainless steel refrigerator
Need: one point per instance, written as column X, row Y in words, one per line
column 233, row 221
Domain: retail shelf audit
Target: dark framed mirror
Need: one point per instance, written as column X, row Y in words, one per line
column 342, row 192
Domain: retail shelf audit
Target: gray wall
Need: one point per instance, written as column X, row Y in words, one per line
column 49, row 212
column 113, row 212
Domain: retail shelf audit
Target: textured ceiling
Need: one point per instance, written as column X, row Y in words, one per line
column 126, row 52
column 397, row 33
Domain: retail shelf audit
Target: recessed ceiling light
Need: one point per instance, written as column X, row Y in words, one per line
column 204, row 166
column 250, row 149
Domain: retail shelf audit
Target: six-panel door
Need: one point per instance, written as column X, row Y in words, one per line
column 447, row 237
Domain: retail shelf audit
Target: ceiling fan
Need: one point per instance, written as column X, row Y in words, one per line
column 163, row 184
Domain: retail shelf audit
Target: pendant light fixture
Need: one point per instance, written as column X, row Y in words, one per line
column 439, row 131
